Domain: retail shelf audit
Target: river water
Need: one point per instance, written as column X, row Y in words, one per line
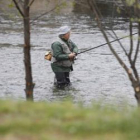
column 97, row 75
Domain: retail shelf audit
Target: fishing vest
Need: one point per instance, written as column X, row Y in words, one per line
column 66, row 50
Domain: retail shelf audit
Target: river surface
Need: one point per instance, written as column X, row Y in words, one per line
column 97, row 75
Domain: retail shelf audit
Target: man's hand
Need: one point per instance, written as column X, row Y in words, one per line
column 72, row 56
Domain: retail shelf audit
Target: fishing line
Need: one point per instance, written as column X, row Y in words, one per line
column 105, row 44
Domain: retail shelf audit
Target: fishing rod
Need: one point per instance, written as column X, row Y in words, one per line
column 105, row 44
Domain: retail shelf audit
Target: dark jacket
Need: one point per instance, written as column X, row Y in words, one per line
column 61, row 56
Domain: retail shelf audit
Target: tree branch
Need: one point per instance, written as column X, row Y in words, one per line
column 136, row 56
column 131, row 40
column 93, row 7
column 18, row 8
column 138, row 45
column 45, row 13
column 30, row 3
column 120, row 43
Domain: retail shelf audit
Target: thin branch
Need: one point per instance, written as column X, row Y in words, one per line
column 131, row 40
column 18, row 8
column 97, row 9
column 135, row 73
column 134, row 68
column 138, row 43
column 92, row 5
column 30, row 3
column 138, row 46
column 109, row 34
column 120, row 43
column 128, row 13
column 132, row 62
column 45, row 13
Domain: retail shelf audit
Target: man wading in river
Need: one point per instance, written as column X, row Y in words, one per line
column 64, row 52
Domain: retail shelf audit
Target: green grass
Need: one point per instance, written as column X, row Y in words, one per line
column 65, row 121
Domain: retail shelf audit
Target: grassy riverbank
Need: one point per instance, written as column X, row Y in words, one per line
column 65, row 121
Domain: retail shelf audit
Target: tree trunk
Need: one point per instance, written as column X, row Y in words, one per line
column 27, row 58
column 137, row 93
column 137, row 96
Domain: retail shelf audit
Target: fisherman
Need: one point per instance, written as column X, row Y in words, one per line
column 64, row 52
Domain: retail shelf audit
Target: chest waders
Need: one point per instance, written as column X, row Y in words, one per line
column 62, row 78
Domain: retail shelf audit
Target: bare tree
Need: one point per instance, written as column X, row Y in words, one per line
column 23, row 7
column 132, row 10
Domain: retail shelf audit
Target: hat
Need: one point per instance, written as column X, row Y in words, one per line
column 64, row 29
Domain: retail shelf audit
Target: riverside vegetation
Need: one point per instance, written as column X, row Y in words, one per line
column 61, row 121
